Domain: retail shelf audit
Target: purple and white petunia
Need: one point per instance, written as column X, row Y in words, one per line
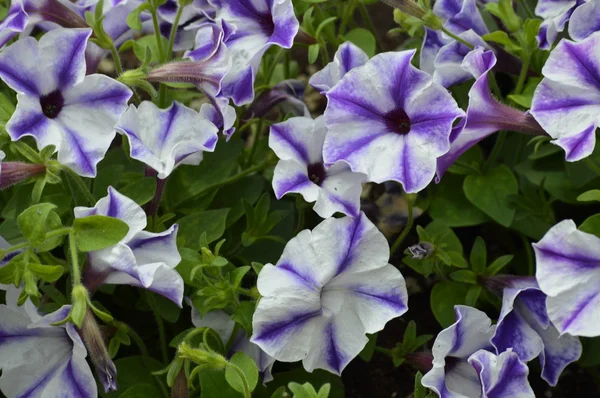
column 458, row 16
column 388, row 120
column 556, row 14
column 465, row 366
column 57, row 104
column 525, row 328
column 191, row 18
column 142, row 259
column 347, row 57
column 222, row 115
column 298, row 142
column 485, row 115
column 585, row 20
column 38, row 359
column 258, row 24
column 568, row 272
column 331, row 286
column 166, row 138
column 567, row 101
column 222, row 323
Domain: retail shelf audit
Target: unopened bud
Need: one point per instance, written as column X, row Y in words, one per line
column 92, row 338
column 211, row 359
column 14, row 172
column 421, row 250
column 407, row 6
column 180, row 386
column 55, row 11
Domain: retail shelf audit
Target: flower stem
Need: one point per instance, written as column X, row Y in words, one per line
column 162, row 92
column 593, row 166
column 81, row 185
column 75, row 271
column 406, row 229
column 495, row 150
column 522, row 75
column 116, row 59
column 256, row 136
column 458, row 38
column 161, row 326
column 161, row 52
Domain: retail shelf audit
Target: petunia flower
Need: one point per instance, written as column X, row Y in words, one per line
column 555, row 14
column 524, row 327
column 142, row 259
column 585, row 20
column 464, row 365
column 189, row 22
column 458, row 16
column 567, row 101
column 388, row 120
column 222, row 323
column 259, row 24
column 485, row 114
column 38, row 359
column 331, row 286
column 298, row 142
column 347, row 57
column 57, row 104
column 166, row 138
column 568, row 272
column 222, row 115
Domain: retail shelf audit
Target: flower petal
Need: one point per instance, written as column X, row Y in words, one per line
column 585, row 20
column 298, row 138
column 347, row 57
column 502, row 376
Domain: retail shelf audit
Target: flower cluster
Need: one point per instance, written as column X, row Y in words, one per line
column 162, row 154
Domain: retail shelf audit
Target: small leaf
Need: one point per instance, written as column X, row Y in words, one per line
column 133, row 19
column 364, row 39
column 498, row 264
column 140, row 191
column 591, row 225
column 98, row 232
column 248, row 369
column 444, row 296
column 473, row 295
column 367, row 353
column 48, row 273
column 590, row 196
column 313, row 53
column 243, row 315
column 478, row 256
column 465, row 276
column 32, row 222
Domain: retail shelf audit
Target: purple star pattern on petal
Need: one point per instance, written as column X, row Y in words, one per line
column 524, row 327
column 143, row 259
column 38, row 359
column 485, row 115
column 298, row 142
column 347, row 57
column 567, row 101
column 388, row 120
column 568, row 272
column 585, row 20
column 259, row 24
column 166, row 138
column 57, row 104
column 331, row 286
column 501, row 376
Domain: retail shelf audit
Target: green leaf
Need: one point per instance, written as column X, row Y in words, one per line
column 140, row 191
column 590, row 196
column 478, row 256
column 211, row 222
column 501, row 37
column 498, row 264
column 464, row 276
column 318, row 378
column 367, row 353
column 313, row 53
column 591, row 352
column 524, row 99
column 32, row 222
column 136, row 370
column 364, row 39
column 248, row 368
column 419, row 390
column 7, row 108
column 450, row 205
column 490, row 192
column 48, row 273
column 444, row 296
column 243, row 315
column 142, row 391
column 133, row 19
column 591, row 225
column 457, row 260
column 98, row 232
column 214, row 384
column 473, row 295
column 323, row 24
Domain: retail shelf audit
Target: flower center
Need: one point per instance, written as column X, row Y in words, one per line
column 266, row 24
column 398, row 121
column 316, row 173
column 52, row 104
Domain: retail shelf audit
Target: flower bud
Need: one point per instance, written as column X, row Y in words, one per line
column 55, row 11
column 14, row 172
column 180, row 386
column 212, row 360
column 421, row 250
column 92, row 338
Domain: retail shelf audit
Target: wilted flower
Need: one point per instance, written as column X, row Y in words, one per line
column 38, row 359
column 388, row 120
column 568, row 272
column 166, row 138
column 298, row 142
column 57, row 104
column 465, row 366
column 567, row 101
column 142, row 259
column 331, row 286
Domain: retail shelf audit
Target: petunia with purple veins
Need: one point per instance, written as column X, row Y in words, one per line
column 347, row 57
column 567, row 101
column 298, row 142
column 466, row 366
column 57, row 104
column 331, row 286
column 143, row 259
column 166, row 138
column 388, row 120
column 585, row 20
column 568, row 272
column 556, row 14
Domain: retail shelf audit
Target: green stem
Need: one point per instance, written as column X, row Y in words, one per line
column 458, row 39
column 246, row 292
column 116, row 59
column 385, row 351
column 271, row 70
column 406, row 229
column 522, row 75
column 593, row 166
column 232, row 179
column 529, row 253
column 495, row 150
column 254, row 148
column 349, row 12
column 161, row 326
column 75, row 271
column 81, row 185
column 162, row 91
column 528, row 11
column 161, row 53
column 49, row 235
